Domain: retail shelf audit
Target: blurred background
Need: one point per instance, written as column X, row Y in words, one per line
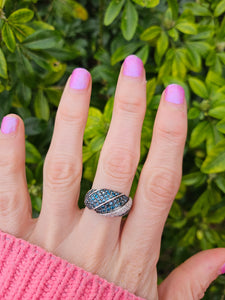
column 181, row 42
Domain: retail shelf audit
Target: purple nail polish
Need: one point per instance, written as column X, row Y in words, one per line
column 133, row 66
column 80, row 79
column 9, row 124
column 222, row 270
column 174, row 93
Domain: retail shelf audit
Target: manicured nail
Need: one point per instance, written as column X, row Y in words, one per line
column 9, row 124
column 223, row 269
column 174, row 93
column 80, row 79
column 133, row 66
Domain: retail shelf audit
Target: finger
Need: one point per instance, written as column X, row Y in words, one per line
column 160, row 177
column 121, row 151
column 191, row 279
column 63, row 163
column 15, row 204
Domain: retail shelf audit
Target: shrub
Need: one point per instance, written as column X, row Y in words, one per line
column 179, row 42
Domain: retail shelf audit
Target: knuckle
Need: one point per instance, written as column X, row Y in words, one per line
column 11, row 163
column 62, row 173
column 162, row 185
column 171, row 135
column 71, row 117
column 131, row 105
column 120, row 164
column 8, row 204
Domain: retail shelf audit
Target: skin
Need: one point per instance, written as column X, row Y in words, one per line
column 126, row 254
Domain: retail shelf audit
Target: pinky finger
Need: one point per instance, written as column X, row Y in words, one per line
column 191, row 279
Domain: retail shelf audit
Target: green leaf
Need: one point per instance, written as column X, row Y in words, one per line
column 124, row 51
column 23, row 15
column 54, row 94
column 8, row 37
column 178, row 64
column 175, row 211
column 199, row 134
column 108, row 109
column 34, row 126
column 42, row 39
column 217, row 112
column 151, row 33
column 24, row 69
column 36, row 203
column 32, row 154
column 112, row 11
column 220, row 182
column 198, row 46
column 215, row 160
column 2, row 3
column 189, row 237
column 93, row 121
column 24, row 94
column 143, row 53
column 215, row 78
column 173, row 4
column 151, row 86
column 196, row 179
column 217, row 217
column 147, row 3
column 194, row 60
column 129, row 21
column 213, row 137
column 40, row 25
column 201, row 206
column 41, row 106
column 3, row 65
column 220, row 8
column 55, row 75
column 22, row 31
column 78, row 11
column 221, row 126
column 96, row 143
column 198, row 9
column 193, row 113
column 162, row 44
column 186, row 27
column 198, row 87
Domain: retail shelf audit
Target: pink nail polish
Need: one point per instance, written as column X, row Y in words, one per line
column 174, row 93
column 133, row 66
column 222, row 270
column 80, row 79
column 9, row 124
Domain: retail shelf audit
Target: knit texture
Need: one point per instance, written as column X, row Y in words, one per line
column 29, row 272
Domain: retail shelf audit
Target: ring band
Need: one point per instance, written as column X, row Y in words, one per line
column 108, row 202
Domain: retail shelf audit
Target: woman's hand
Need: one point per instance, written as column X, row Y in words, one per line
column 127, row 253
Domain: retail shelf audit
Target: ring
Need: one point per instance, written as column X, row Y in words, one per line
column 107, row 202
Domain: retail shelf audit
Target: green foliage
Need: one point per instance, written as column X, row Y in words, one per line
column 179, row 42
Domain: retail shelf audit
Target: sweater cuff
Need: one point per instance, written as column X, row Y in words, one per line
column 30, row 272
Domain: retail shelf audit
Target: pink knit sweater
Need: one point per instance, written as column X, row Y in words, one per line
column 29, row 272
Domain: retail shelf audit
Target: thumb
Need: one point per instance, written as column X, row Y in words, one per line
column 192, row 278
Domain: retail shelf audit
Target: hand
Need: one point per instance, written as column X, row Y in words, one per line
column 125, row 254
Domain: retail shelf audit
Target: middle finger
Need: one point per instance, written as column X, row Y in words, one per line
column 120, row 154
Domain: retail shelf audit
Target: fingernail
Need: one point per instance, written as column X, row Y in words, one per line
column 80, row 79
column 174, row 93
column 133, row 66
column 9, row 124
column 223, row 269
